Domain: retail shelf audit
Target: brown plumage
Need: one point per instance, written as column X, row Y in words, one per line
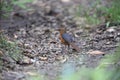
column 67, row 39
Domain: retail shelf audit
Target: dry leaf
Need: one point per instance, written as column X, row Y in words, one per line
column 43, row 58
column 31, row 73
column 15, row 36
column 62, row 59
column 25, row 61
column 95, row 52
column 65, row 0
column 1, row 53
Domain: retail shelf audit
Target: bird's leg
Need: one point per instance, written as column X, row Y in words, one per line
column 64, row 49
column 69, row 49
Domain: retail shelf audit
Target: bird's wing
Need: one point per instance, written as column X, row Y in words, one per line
column 68, row 38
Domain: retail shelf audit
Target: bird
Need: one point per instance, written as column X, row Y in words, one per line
column 67, row 39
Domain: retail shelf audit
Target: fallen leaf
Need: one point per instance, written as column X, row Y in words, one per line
column 15, row 36
column 43, row 58
column 1, row 53
column 25, row 61
column 95, row 52
column 111, row 29
column 53, row 41
column 62, row 59
column 31, row 73
column 65, row 0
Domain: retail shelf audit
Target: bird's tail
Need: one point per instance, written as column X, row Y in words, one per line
column 75, row 46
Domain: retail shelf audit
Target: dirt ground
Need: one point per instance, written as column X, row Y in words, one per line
column 35, row 31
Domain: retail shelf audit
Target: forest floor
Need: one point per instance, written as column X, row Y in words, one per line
column 35, row 33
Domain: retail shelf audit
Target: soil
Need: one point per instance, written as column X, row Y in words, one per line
column 35, row 32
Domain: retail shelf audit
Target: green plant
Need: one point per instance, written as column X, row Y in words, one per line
column 21, row 3
column 35, row 76
column 92, row 19
column 6, row 6
column 108, row 69
column 10, row 49
column 113, row 12
column 95, row 14
column 90, row 13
